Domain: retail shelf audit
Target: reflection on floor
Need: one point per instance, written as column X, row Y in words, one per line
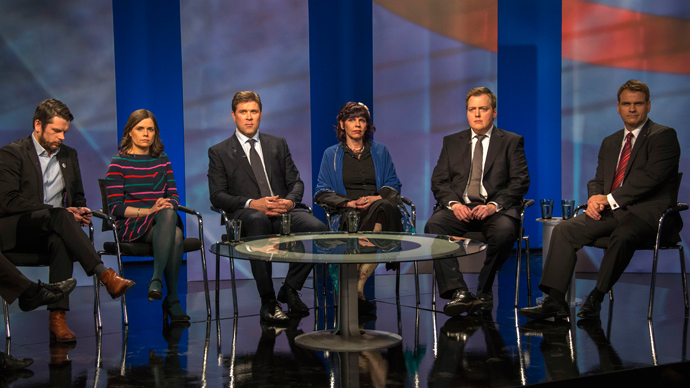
column 491, row 350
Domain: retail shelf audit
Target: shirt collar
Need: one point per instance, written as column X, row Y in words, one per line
column 40, row 151
column 636, row 131
column 243, row 139
column 487, row 134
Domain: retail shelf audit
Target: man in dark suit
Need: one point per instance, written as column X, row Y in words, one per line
column 635, row 183
column 252, row 177
column 478, row 182
column 42, row 208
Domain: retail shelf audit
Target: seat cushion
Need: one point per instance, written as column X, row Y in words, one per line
column 143, row 249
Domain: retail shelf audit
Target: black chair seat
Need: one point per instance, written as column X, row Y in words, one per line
column 143, row 249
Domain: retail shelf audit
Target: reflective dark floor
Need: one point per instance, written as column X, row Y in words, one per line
column 491, row 350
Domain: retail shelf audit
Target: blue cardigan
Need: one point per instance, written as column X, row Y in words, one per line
column 331, row 171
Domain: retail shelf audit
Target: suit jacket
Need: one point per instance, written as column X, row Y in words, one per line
column 506, row 178
column 649, row 185
column 21, row 184
column 231, row 181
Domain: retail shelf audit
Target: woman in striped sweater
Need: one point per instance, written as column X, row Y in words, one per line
column 143, row 199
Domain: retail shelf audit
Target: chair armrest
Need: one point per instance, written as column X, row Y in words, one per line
column 581, row 207
column 188, row 210
column 527, row 203
column 100, row 214
column 413, row 210
column 223, row 219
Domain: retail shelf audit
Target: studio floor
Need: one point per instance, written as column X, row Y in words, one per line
column 492, row 350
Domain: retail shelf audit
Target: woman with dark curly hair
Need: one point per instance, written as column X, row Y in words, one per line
column 358, row 174
column 142, row 197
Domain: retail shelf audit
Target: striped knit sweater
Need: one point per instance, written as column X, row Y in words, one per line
column 138, row 181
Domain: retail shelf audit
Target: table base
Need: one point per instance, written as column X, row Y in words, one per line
column 328, row 340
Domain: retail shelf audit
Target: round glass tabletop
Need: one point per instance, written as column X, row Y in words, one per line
column 343, row 248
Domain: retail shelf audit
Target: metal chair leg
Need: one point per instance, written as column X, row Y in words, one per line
column 97, row 303
column 217, row 283
column 517, row 269
column 416, row 282
column 5, row 310
column 397, row 285
column 234, row 287
column 527, row 263
column 684, row 278
column 653, row 285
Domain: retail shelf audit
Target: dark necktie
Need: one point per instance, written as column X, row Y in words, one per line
column 258, row 169
column 622, row 163
column 473, row 192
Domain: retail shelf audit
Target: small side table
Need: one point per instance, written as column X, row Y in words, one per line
column 547, row 226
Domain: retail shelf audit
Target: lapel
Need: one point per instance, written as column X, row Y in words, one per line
column 611, row 161
column 66, row 169
column 639, row 143
column 268, row 155
column 465, row 148
column 495, row 142
column 33, row 156
column 242, row 158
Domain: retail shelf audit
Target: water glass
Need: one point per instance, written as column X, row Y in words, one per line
column 285, row 221
column 352, row 221
column 546, row 208
column 568, row 208
column 236, row 229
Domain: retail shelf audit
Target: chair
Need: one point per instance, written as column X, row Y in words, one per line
column 224, row 220
column 521, row 237
column 660, row 244
column 38, row 260
column 409, row 220
column 138, row 249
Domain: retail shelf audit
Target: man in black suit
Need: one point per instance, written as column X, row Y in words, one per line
column 252, row 177
column 635, row 183
column 478, row 182
column 42, row 208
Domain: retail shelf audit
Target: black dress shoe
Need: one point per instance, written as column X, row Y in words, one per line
column 462, row 302
column 271, row 312
column 49, row 293
column 291, row 297
column 549, row 309
column 9, row 363
column 590, row 309
column 485, row 301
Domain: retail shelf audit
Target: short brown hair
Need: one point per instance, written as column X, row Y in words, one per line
column 634, row 86
column 246, row 96
column 135, row 118
column 47, row 109
column 475, row 92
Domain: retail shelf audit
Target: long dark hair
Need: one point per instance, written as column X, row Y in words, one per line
column 348, row 111
column 135, row 118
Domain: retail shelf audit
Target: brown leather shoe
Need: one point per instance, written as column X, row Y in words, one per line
column 115, row 285
column 59, row 331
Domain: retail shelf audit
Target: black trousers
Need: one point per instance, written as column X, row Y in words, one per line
column 59, row 241
column 12, row 282
column 499, row 231
column 626, row 233
column 255, row 223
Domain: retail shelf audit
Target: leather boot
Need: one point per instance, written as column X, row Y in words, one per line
column 58, row 328
column 115, row 285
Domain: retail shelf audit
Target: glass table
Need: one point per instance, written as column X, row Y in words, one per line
column 347, row 250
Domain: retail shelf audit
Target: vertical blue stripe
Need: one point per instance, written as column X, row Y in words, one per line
column 529, row 93
column 341, row 68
